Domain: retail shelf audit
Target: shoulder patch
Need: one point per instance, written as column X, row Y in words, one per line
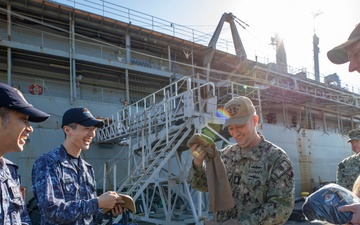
column 281, row 169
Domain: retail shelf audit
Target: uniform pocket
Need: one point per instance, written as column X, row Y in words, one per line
column 90, row 183
column 70, row 186
column 16, row 203
column 15, row 196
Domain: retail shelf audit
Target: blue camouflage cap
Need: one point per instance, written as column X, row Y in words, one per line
column 12, row 98
column 354, row 135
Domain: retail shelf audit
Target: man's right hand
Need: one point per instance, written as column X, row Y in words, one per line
column 198, row 155
column 108, row 200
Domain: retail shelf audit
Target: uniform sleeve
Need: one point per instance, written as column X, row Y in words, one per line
column 340, row 175
column 23, row 213
column 347, row 172
column 280, row 196
column 197, row 178
column 48, row 191
column 25, row 218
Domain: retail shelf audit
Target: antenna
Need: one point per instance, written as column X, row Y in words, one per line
column 316, row 14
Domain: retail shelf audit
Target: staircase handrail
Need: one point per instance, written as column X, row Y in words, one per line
column 117, row 123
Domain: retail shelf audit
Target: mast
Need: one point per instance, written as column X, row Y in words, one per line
column 281, row 60
column 316, row 48
column 316, row 57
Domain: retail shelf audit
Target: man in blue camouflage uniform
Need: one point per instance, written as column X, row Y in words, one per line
column 260, row 173
column 15, row 114
column 64, row 183
column 349, row 168
column 349, row 51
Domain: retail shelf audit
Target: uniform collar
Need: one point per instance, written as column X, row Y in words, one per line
column 4, row 170
column 65, row 161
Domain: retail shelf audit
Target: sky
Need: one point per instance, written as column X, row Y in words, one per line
column 294, row 20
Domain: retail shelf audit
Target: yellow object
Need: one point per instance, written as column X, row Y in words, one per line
column 195, row 153
column 304, row 194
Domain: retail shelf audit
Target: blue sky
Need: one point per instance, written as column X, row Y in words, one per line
column 293, row 19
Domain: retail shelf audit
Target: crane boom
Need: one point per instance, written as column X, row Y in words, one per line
column 239, row 48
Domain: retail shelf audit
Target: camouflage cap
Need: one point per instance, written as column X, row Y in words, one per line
column 338, row 55
column 240, row 110
column 354, row 134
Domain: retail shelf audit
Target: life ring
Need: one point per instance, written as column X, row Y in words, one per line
column 35, row 89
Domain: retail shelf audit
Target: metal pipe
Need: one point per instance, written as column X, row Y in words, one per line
column 104, row 181
column 114, row 168
column 9, row 52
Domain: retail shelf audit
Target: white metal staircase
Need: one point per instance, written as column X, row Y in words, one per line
column 154, row 132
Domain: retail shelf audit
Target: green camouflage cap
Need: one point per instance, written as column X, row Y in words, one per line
column 338, row 55
column 354, row 135
column 240, row 109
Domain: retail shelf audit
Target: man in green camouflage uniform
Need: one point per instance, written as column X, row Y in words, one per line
column 349, row 168
column 260, row 173
column 343, row 53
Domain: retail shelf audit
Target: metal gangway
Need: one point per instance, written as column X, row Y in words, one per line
column 153, row 133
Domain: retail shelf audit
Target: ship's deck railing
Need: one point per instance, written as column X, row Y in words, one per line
column 173, row 103
column 117, row 12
